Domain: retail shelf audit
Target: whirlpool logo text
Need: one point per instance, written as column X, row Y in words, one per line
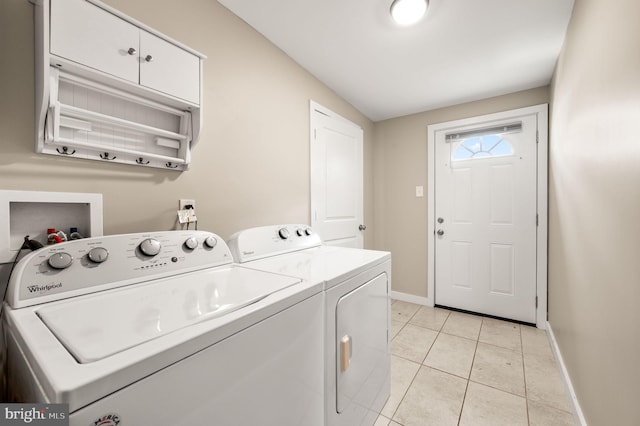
column 43, row 288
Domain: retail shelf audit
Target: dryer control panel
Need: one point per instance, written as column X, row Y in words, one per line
column 94, row 264
column 265, row 241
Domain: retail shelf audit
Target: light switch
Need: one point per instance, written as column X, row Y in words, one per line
column 419, row 191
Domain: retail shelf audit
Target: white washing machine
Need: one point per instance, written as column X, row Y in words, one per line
column 356, row 283
column 163, row 329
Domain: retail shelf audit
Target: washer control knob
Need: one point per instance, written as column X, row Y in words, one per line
column 300, row 232
column 191, row 243
column 150, row 247
column 283, row 233
column 308, row 231
column 60, row 260
column 210, row 241
column 98, row 254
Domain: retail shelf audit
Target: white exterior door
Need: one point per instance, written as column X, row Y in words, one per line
column 336, row 178
column 486, row 217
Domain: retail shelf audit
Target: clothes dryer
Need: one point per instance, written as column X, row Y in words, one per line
column 356, row 284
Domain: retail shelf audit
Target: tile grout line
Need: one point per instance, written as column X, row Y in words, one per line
column 404, row 395
column 420, row 365
column 524, row 377
column 464, row 398
column 414, row 376
column 495, row 388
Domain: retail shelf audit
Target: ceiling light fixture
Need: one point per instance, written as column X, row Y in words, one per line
column 408, row 12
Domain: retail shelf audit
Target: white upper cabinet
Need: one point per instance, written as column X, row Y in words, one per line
column 91, row 36
column 111, row 89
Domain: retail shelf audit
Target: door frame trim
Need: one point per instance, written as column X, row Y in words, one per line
column 541, row 112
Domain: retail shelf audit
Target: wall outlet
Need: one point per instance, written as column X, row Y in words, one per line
column 419, row 191
column 187, row 211
column 183, row 203
column 187, row 216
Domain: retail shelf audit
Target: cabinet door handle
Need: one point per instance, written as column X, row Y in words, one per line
column 131, row 51
column 148, row 58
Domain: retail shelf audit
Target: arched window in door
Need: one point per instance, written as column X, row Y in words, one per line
column 482, row 147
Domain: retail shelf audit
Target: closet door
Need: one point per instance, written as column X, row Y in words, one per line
column 82, row 32
column 168, row 68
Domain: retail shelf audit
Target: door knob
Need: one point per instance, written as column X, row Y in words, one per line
column 440, row 220
column 362, row 227
column 440, row 232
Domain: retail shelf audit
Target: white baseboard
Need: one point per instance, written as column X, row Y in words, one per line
column 405, row 297
column 575, row 404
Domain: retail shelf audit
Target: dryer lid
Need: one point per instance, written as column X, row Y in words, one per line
column 101, row 325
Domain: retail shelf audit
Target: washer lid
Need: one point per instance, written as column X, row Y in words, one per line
column 100, row 325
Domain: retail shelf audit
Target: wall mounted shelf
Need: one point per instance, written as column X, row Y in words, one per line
column 111, row 89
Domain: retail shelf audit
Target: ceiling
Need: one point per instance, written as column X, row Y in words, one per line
column 462, row 50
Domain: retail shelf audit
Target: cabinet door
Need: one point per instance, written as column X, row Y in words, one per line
column 169, row 69
column 84, row 33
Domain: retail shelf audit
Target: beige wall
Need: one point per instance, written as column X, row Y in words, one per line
column 251, row 166
column 400, row 152
column 594, row 206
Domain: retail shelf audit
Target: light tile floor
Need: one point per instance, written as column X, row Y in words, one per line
column 450, row 368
